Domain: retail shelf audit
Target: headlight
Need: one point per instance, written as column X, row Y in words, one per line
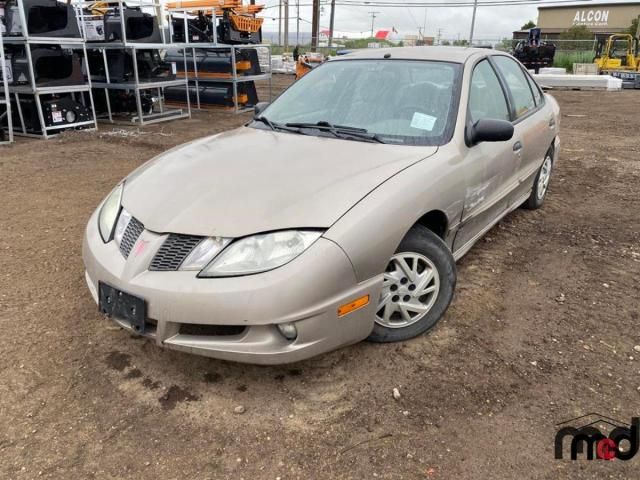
column 109, row 213
column 121, row 226
column 204, row 253
column 260, row 253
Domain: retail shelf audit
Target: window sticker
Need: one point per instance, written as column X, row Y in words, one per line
column 423, row 121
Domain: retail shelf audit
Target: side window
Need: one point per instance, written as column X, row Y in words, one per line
column 517, row 83
column 535, row 89
column 486, row 98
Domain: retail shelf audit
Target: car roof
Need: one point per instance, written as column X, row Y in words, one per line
column 441, row 54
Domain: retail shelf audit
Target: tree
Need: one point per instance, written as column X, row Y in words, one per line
column 461, row 43
column 577, row 32
column 529, row 25
column 445, row 43
column 506, row 45
column 574, row 38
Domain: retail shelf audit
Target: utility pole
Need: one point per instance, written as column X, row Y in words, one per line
column 373, row 18
column 439, row 36
column 297, row 22
column 286, row 25
column 279, row 22
column 333, row 10
column 424, row 26
column 315, row 25
column 473, row 21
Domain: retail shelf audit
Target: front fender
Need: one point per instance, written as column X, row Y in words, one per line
column 371, row 231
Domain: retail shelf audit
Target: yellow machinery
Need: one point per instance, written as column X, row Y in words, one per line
column 619, row 57
column 618, row 52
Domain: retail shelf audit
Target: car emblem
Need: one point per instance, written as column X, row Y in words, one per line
column 140, row 247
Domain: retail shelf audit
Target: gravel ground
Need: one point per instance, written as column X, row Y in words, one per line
column 542, row 329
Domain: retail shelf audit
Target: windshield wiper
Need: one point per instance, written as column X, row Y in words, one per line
column 275, row 126
column 364, row 136
column 323, row 124
column 266, row 121
column 340, row 131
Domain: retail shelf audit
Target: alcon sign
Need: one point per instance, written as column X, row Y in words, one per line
column 591, row 17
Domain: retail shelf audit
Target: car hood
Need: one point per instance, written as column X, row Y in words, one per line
column 249, row 181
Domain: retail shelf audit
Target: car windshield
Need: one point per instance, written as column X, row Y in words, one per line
column 390, row 101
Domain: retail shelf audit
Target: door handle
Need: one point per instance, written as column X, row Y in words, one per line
column 517, row 147
column 552, row 122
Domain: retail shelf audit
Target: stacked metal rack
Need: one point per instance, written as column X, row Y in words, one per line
column 5, row 100
column 65, row 106
column 149, row 107
column 192, row 48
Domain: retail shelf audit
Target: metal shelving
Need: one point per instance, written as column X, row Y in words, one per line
column 5, row 100
column 235, row 79
column 195, row 79
column 77, row 92
column 137, row 86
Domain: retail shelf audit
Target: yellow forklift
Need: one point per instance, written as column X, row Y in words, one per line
column 619, row 56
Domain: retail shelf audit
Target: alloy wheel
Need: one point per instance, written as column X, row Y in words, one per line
column 409, row 290
column 544, row 177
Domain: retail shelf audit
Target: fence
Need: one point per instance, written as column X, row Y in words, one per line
column 568, row 52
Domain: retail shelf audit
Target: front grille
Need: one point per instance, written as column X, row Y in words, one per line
column 130, row 236
column 173, row 252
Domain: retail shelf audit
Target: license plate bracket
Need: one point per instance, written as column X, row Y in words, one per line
column 123, row 306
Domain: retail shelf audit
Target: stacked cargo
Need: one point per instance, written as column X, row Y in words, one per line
column 126, row 48
column 222, row 45
column 46, row 68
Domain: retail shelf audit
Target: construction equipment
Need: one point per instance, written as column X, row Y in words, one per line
column 53, row 65
column 237, row 23
column 308, row 62
column 214, row 95
column 535, row 53
column 618, row 55
column 103, row 23
column 618, row 52
column 211, row 64
column 44, row 18
column 59, row 111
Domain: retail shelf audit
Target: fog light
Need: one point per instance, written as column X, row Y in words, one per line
column 288, row 330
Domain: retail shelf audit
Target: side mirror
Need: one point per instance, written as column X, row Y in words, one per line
column 259, row 108
column 487, row 130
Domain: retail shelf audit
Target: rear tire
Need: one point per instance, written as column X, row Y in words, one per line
column 541, row 183
column 418, row 287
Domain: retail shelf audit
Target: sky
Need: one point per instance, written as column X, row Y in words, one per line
column 492, row 23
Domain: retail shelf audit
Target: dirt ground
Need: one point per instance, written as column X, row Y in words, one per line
column 542, row 329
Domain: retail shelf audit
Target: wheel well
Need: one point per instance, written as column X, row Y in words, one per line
column 436, row 221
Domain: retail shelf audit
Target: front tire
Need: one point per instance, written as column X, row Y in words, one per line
column 418, row 287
